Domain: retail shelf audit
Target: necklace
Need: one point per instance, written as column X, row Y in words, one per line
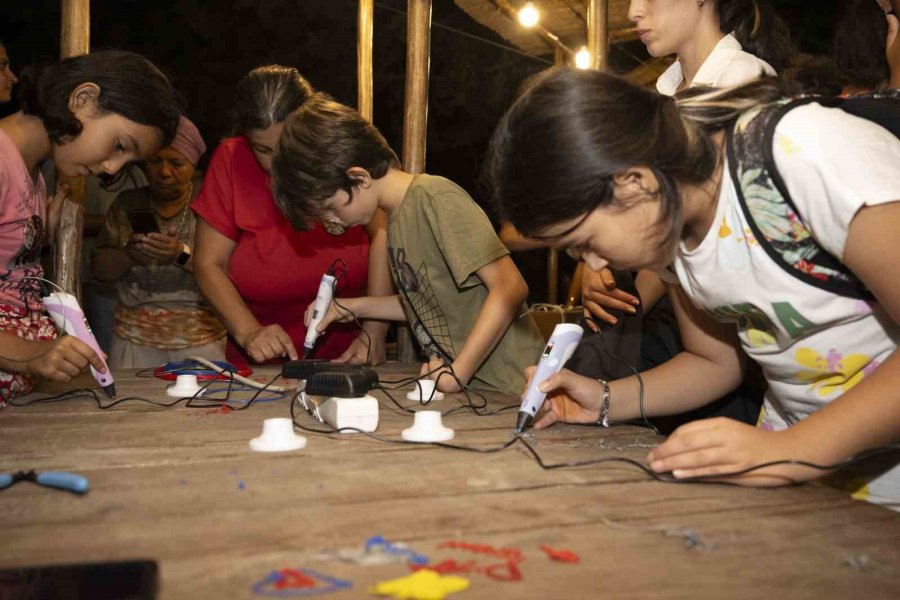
column 183, row 212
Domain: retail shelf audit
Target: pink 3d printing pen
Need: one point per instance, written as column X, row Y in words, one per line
column 69, row 319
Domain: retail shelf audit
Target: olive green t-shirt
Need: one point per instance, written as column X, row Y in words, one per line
column 438, row 239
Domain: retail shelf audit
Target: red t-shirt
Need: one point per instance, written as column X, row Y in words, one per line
column 275, row 268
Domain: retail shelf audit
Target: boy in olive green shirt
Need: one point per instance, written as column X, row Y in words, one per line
column 458, row 287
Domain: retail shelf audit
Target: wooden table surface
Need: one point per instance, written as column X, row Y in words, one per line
column 180, row 486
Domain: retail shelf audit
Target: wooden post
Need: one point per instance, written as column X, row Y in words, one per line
column 75, row 36
column 75, row 30
column 67, row 258
column 415, row 118
column 415, row 111
column 364, row 57
column 598, row 33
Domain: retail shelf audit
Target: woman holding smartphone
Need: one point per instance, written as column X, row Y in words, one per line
column 145, row 250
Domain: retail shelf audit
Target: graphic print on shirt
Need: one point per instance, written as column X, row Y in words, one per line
column 742, row 242
column 834, row 372
column 750, row 320
column 32, row 241
column 26, row 231
column 428, row 322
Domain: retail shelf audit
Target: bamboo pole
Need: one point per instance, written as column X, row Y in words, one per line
column 75, row 30
column 75, row 36
column 415, row 118
column 415, row 111
column 598, row 33
column 364, row 57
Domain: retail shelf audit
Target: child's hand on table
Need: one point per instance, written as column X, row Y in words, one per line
column 437, row 370
column 722, row 445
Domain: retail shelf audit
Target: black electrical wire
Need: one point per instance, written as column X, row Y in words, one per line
column 334, row 299
column 645, row 421
column 195, row 401
column 665, row 478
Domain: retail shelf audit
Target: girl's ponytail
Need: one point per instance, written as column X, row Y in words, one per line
column 758, row 28
column 713, row 109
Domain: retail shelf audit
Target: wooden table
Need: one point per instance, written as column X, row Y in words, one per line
column 180, row 486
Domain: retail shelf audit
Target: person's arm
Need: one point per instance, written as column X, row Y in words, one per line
column 383, row 308
column 650, row 288
column 369, row 344
column 110, row 264
column 507, row 292
column 60, row 359
column 892, row 49
column 711, row 365
column 515, row 241
column 211, row 257
column 866, row 416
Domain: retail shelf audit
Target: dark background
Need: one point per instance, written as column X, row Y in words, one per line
column 207, row 45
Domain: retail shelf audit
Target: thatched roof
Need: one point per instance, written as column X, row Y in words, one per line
column 564, row 18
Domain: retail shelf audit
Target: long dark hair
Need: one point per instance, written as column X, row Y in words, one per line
column 130, row 85
column 320, row 142
column 758, row 28
column 555, row 152
column 268, row 95
column 858, row 46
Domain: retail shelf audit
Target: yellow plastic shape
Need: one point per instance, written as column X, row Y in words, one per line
column 424, row 584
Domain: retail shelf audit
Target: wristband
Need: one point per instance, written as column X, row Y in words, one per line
column 604, row 404
column 184, row 256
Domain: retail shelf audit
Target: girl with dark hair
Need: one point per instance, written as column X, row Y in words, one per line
column 719, row 43
column 635, row 180
column 866, row 46
column 91, row 114
column 7, row 78
column 258, row 273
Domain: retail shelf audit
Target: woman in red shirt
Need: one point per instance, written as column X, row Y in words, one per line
column 259, row 273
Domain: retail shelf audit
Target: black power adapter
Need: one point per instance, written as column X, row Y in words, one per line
column 342, row 384
column 304, row 369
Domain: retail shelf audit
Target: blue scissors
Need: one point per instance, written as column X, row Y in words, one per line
column 55, row 479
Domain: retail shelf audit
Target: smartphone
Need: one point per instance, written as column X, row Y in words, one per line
column 133, row 580
column 143, row 220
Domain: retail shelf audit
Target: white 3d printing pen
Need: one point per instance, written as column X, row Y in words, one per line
column 560, row 347
column 323, row 302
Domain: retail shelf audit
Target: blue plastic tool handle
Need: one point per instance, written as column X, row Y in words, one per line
column 64, row 481
column 5, row 480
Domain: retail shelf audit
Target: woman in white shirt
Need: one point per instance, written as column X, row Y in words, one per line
column 632, row 179
column 694, row 30
column 719, row 43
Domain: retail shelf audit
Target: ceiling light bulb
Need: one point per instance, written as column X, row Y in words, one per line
column 583, row 58
column 529, row 15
